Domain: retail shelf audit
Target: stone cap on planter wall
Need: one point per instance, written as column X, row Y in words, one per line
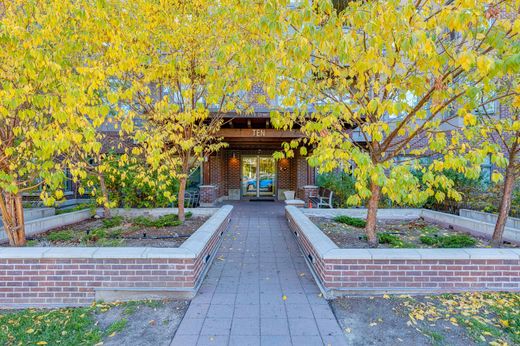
column 191, row 248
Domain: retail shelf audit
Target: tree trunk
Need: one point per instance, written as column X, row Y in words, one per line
column 180, row 199
column 104, row 192
column 11, row 208
column 373, row 204
column 505, row 207
column 182, row 188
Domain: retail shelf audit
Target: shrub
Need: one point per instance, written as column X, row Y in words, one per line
column 169, row 220
column 341, row 184
column 95, row 235
column 456, row 241
column 428, row 240
column 449, row 241
column 112, row 222
column 351, row 221
column 115, row 234
column 128, row 190
column 391, row 239
column 66, row 235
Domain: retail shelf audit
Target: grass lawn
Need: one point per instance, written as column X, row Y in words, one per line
column 111, row 323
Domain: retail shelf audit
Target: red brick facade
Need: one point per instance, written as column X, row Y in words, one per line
column 224, row 172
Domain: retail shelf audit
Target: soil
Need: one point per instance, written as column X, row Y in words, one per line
column 147, row 323
column 380, row 321
column 125, row 235
column 346, row 236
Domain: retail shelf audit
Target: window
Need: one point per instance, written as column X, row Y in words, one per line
column 68, row 181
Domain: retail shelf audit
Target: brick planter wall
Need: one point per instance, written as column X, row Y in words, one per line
column 346, row 271
column 78, row 276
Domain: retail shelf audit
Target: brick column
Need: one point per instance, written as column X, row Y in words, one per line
column 309, row 190
column 208, row 195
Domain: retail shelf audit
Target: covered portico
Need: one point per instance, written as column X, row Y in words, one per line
column 246, row 169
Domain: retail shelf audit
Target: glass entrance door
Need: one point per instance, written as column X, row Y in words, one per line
column 258, row 176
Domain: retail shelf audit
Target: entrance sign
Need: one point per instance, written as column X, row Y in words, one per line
column 267, row 133
column 258, row 133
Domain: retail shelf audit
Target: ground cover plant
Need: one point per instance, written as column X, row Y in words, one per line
column 347, row 232
column 163, row 231
column 352, row 221
column 100, row 323
column 489, row 318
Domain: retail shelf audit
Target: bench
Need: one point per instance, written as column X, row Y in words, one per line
column 323, row 198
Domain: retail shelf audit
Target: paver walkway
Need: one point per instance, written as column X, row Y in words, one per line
column 241, row 300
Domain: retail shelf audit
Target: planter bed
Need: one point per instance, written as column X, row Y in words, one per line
column 416, row 233
column 70, row 276
column 341, row 271
column 122, row 232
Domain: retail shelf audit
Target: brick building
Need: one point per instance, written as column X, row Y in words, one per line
column 246, row 169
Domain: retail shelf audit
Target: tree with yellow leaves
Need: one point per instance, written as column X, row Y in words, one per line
column 380, row 84
column 182, row 66
column 47, row 88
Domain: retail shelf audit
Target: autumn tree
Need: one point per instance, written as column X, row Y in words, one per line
column 45, row 101
column 380, row 84
column 503, row 130
column 183, row 65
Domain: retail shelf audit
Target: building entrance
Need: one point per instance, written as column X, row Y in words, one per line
column 258, row 176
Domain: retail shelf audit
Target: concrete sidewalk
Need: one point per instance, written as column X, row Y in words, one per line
column 259, row 290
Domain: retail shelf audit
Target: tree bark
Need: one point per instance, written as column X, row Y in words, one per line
column 182, row 188
column 180, row 199
column 373, row 204
column 505, row 207
column 104, row 192
column 11, row 208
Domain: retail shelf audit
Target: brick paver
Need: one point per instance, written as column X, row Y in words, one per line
column 241, row 300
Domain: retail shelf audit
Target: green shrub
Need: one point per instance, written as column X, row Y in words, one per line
column 457, row 241
column 66, row 235
column 169, row 220
column 449, row 241
column 391, row 239
column 128, row 190
column 32, row 242
column 351, row 221
column 428, row 240
column 115, row 234
column 95, row 235
column 341, row 184
column 112, row 222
